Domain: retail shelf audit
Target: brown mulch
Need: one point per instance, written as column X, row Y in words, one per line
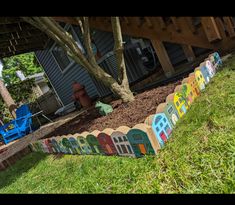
column 128, row 114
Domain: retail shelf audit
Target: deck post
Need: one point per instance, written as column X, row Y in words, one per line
column 163, row 57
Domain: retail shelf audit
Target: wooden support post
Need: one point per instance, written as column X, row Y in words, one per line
column 163, row 57
column 126, row 20
column 149, row 22
column 229, row 26
column 161, row 22
column 188, row 51
column 175, row 23
column 211, row 29
column 189, row 22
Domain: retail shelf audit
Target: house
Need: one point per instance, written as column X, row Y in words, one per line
column 63, row 147
column 179, row 102
column 107, row 144
column 186, row 90
column 211, row 69
column 140, row 142
column 169, row 109
column 85, row 147
column 66, row 144
column 191, row 80
column 215, row 59
column 200, row 80
column 205, row 73
column 161, row 127
column 94, row 144
column 122, row 144
column 75, row 145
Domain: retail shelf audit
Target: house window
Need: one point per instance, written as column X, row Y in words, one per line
column 161, row 124
column 158, row 118
column 120, row 139
column 119, row 149
column 61, row 57
column 198, row 78
column 124, row 138
column 177, row 103
column 157, row 129
column 164, row 119
column 82, row 141
column 115, row 139
column 170, row 110
column 129, row 148
column 124, row 150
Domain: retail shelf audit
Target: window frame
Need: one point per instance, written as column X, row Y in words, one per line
column 67, row 27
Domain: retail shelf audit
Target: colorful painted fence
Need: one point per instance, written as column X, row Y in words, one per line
column 142, row 139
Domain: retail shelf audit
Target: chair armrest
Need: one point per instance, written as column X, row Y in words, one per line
column 24, row 117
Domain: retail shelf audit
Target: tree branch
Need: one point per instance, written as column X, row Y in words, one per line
column 118, row 47
column 87, row 41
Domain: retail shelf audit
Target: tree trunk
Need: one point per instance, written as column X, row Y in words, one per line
column 65, row 40
column 123, row 91
column 7, row 98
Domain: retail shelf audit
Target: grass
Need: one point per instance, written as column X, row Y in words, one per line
column 199, row 157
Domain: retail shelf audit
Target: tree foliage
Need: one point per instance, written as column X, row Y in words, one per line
column 21, row 93
column 27, row 63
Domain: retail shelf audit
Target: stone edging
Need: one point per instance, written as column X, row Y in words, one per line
column 144, row 138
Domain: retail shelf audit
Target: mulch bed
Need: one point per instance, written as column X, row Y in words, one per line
column 128, row 114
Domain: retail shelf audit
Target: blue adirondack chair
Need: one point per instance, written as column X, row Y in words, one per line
column 19, row 127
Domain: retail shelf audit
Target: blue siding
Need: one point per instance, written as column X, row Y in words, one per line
column 62, row 82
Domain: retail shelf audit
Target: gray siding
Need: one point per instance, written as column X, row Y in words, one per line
column 62, row 82
column 104, row 42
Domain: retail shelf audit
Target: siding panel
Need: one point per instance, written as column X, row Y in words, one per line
column 63, row 82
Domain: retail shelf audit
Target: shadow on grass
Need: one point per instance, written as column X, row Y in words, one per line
column 11, row 174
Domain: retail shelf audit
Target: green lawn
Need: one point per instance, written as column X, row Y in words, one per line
column 199, row 158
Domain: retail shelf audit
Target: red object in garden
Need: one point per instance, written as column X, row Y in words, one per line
column 80, row 94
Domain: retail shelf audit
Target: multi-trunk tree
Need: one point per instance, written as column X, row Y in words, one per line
column 87, row 60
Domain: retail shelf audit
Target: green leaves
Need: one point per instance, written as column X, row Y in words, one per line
column 27, row 63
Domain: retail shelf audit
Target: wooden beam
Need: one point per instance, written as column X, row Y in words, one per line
column 10, row 20
column 163, row 57
column 161, row 22
column 188, row 51
column 189, row 22
column 168, row 35
column 15, row 44
column 175, row 23
column 19, row 51
column 22, row 34
column 8, row 28
column 211, row 29
column 70, row 20
column 229, row 26
column 149, row 22
column 135, row 21
column 221, row 27
column 126, row 20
